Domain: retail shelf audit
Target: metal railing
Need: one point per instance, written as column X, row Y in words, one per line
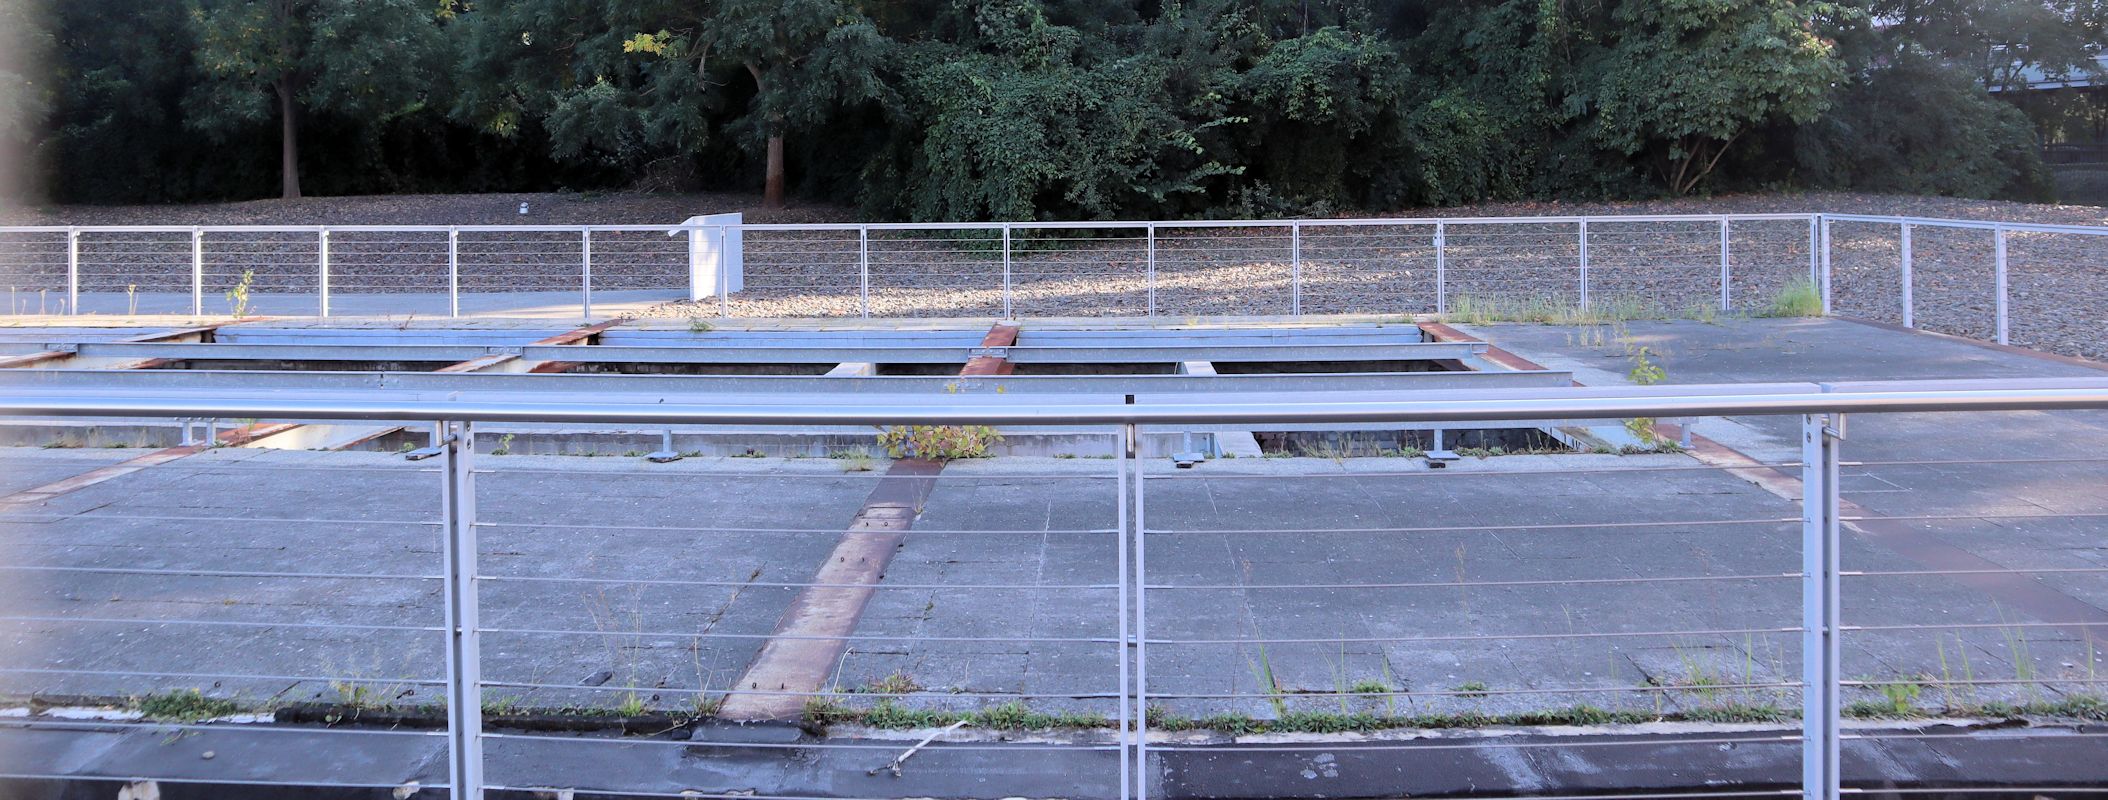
column 497, row 620
column 1641, row 265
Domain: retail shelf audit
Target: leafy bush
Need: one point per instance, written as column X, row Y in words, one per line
column 938, row 441
column 1916, row 127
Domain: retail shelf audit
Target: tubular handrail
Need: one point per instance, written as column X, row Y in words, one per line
column 1565, row 219
column 1559, row 403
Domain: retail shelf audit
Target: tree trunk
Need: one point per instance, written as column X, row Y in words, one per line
column 772, row 185
column 772, row 180
column 288, row 141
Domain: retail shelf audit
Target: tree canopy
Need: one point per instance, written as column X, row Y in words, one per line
column 1022, row 109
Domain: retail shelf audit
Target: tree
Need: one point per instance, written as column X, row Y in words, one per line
column 806, row 57
column 26, row 93
column 1020, row 118
column 628, row 81
column 365, row 59
column 1688, row 77
column 1914, row 126
column 1324, row 116
column 1995, row 41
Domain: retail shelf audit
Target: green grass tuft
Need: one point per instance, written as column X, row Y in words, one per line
column 188, row 705
column 1798, row 299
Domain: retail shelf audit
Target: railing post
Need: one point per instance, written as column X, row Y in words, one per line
column 453, row 271
column 585, row 269
column 1820, row 650
column 73, row 270
column 2001, row 280
column 1823, row 281
column 1149, row 268
column 1726, row 271
column 863, row 269
column 322, row 259
column 1584, row 263
column 1815, row 246
column 1129, row 721
column 464, row 706
column 1007, row 291
column 1295, row 268
column 1908, row 320
column 1131, row 462
column 197, row 272
column 1441, row 269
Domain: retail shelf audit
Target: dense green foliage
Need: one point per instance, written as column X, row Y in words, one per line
column 1014, row 109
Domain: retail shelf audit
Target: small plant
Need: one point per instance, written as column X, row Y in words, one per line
column 504, row 446
column 1470, row 689
column 938, row 442
column 238, row 297
column 1644, row 372
column 189, row 705
column 858, row 460
column 894, row 684
column 697, row 325
column 1797, row 299
column 1263, row 673
column 632, row 705
column 1902, row 697
column 362, row 696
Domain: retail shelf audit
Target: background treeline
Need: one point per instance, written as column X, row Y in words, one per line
column 1011, row 109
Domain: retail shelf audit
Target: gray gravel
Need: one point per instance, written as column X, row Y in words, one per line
column 2059, row 289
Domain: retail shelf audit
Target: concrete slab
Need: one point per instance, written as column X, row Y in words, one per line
column 1498, row 585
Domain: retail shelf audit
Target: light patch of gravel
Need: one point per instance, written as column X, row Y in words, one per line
column 2058, row 285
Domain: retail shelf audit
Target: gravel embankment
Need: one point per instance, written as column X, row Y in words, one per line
column 2059, row 286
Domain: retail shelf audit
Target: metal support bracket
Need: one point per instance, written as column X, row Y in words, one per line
column 665, row 454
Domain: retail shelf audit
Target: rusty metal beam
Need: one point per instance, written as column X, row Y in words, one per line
column 234, row 437
column 1443, row 333
column 999, row 336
